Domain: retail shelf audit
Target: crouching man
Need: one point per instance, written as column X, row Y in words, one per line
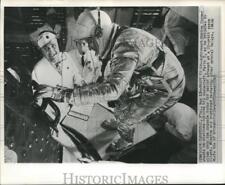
column 142, row 77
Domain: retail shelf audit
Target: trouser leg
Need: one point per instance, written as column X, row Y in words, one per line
column 146, row 105
column 136, row 112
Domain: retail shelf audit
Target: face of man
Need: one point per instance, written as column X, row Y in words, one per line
column 51, row 51
column 87, row 44
column 82, row 46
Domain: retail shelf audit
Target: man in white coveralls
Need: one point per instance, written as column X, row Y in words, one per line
column 58, row 69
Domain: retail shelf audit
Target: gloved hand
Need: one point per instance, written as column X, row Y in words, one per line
column 56, row 93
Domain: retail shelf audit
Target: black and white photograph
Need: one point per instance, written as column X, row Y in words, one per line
column 112, row 92
column 90, row 84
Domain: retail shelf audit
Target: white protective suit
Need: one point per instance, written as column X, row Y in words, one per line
column 45, row 73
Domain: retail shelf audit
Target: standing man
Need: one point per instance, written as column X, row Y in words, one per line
column 141, row 75
column 59, row 70
column 56, row 69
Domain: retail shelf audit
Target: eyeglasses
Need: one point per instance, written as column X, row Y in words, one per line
column 83, row 41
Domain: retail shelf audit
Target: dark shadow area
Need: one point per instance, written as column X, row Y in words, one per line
column 161, row 148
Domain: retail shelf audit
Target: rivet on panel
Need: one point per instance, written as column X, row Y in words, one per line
column 11, row 145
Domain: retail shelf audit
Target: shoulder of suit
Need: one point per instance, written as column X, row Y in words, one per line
column 75, row 57
column 132, row 33
column 41, row 64
column 74, row 54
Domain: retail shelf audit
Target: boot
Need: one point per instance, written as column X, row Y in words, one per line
column 125, row 140
column 111, row 124
column 120, row 145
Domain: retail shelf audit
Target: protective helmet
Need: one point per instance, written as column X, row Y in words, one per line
column 42, row 36
column 93, row 24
